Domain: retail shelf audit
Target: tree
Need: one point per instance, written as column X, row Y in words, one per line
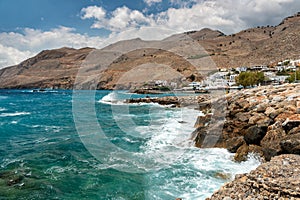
column 250, row 78
column 296, row 74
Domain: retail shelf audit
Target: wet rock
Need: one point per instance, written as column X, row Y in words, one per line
column 183, row 101
column 210, row 136
column 222, row 175
column 15, row 180
column 233, row 144
column 202, row 120
column 242, row 153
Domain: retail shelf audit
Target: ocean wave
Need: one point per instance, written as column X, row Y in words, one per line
column 3, row 97
column 110, row 98
column 206, row 169
column 2, row 109
column 14, row 114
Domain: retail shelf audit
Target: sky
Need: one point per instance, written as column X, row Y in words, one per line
column 28, row 27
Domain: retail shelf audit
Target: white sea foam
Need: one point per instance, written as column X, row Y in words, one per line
column 14, row 114
column 175, row 168
column 5, row 162
column 110, row 98
column 170, row 146
column 3, row 97
column 2, row 109
column 197, row 175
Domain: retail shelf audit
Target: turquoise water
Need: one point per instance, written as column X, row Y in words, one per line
column 134, row 152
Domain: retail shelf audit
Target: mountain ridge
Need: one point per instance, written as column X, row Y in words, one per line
column 192, row 54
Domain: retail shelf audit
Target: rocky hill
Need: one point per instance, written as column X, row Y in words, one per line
column 49, row 69
column 179, row 58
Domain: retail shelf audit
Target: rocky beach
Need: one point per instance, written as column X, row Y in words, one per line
column 263, row 121
column 277, row 179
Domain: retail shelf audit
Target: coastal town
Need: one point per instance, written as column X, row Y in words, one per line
column 227, row 78
column 150, row 100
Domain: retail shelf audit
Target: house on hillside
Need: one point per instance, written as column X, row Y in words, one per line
column 258, row 68
column 295, row 62
column 241, row 69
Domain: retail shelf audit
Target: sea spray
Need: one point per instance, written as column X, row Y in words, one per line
column 44, row 150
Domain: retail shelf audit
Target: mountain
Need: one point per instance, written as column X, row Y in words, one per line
column 134, row 63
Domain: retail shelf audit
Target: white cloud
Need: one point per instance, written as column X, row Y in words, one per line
column 93, row 12
column 16, row 47
column 228, row 16
column 120, row 19
column 12, row 56
column 151, row 2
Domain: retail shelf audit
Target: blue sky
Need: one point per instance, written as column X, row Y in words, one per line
column 48, row 14
column 30, row 26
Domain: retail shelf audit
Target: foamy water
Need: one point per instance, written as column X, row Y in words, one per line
column 176, row 168
column 144, row 151
column 14, row 114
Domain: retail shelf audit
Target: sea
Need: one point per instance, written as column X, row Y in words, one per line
column 64, row 144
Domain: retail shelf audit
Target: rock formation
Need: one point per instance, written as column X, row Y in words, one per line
column 277, row 179
column 174, row 101
column 264, row 120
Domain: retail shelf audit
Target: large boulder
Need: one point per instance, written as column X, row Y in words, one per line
column 233, row 144
column 291, row 144
column 274, row 136
column 254, row 134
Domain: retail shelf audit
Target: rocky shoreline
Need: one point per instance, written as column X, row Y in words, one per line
column 264, row 121
column 277, row 179
column 173, row 101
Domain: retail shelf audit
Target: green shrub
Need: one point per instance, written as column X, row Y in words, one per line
column 250, row 78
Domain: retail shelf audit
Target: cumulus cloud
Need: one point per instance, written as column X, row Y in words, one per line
column 16, row 47
column 120, row 19
column 93, row 12
column 151, row 2
column 228, row 16
column 12, row 56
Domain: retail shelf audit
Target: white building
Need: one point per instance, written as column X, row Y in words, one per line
column 241, row 69
column 295, row 62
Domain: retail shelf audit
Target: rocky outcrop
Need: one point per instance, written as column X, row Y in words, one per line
column 277, row 179
column 265, row 120
column 173, row 101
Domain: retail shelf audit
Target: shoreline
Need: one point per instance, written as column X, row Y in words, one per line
column 264, row 121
